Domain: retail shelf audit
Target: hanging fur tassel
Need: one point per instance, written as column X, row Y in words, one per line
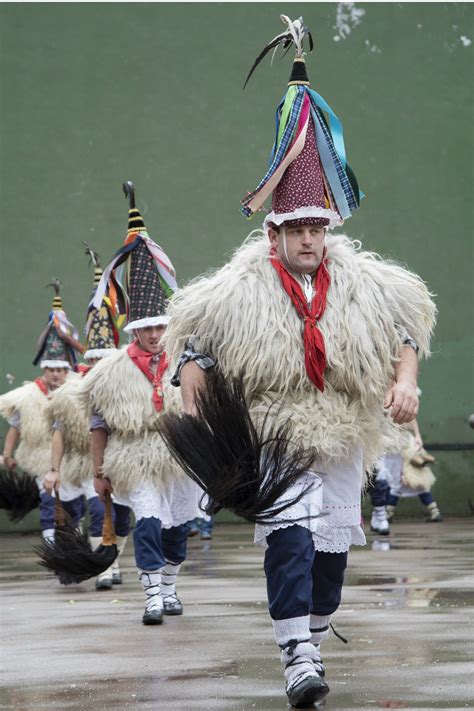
column 19, row 494
column 241, row 468
column 70, row 557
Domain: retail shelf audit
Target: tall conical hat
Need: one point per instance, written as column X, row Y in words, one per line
column 141, row 271
column 53, row 351
column 102, row 336
column 308, row 177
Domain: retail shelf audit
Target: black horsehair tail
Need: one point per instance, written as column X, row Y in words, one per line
column 294, row 34
column 18, row 494
column 70, row 556
column 241, row 468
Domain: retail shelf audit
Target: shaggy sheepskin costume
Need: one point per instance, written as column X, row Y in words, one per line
column 244, row 319
column 135, row 453
column 367, row 299
column 33, row 453
column 76, row 464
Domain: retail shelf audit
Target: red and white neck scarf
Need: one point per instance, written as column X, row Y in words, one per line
column 142, row 360
column 42, row 386
column 314, row 348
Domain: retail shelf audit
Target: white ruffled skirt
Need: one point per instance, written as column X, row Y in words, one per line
column 331, row 509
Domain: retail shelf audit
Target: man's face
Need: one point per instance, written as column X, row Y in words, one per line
column 150, row 338
column 54, row 377
column 299, row 248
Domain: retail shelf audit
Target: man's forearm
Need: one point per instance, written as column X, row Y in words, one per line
column 99, row 439
column 406, row 369
column 11, row 440
column 193, row 379
column 57, row 450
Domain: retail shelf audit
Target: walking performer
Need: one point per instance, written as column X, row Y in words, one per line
column 25, row 410
column 323, row 335
column 378, row 489
column 127, row 393
column 71, row 464
column 408, row 474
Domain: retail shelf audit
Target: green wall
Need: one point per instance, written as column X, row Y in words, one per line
column 93, row 94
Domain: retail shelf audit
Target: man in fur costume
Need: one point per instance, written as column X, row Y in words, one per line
column 127, row 393
column 71, row 464
column 25, row 410
column 324, row 334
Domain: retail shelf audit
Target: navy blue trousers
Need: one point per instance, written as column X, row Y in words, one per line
column 75, row 508
column 154, row 545
column 301, row 580
column 121, row 517
column 425, row 498
column 379, row 490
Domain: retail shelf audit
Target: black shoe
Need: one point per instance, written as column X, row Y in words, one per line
column 117, row 578
column 172, row 605
column 153, row 617
column 311, row 689
column 104, row 584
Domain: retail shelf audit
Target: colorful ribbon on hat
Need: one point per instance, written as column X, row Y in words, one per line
column 116, row 274
column 293, row 112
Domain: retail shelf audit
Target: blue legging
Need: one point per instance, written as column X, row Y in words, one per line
column 154, row 545
column 426, row 498
column 301, row 580
column 121, row 517
column 379, row 490
column 75, row 508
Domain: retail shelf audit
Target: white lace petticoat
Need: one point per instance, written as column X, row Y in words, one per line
column 68, row 492
column 177, row 504
column 331, row 510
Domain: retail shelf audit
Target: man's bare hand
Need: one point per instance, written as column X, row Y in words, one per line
column 101, row 486
column 9, row 463
column 51, row 482
column 402, row 399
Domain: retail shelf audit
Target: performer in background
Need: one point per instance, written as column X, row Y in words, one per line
column 127, row 394
column 25, row 409
column 71, row 465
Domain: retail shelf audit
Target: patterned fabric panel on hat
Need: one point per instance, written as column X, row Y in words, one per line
column 101, row 335
column 302, row 184
column 55, row 348
column 146, row 294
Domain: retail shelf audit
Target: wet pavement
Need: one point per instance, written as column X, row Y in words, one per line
column 407, row 612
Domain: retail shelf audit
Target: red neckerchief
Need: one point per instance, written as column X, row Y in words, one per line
column 314, row 349
column 83, row 369
column 42, row 386
column 142, row 360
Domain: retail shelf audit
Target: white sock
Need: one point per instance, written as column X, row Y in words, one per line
column 319, row 627
column 151, row 585
column 294, row 628
column 121, row 543
column 48, row 534
column 169, row 573
column 95, row 542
